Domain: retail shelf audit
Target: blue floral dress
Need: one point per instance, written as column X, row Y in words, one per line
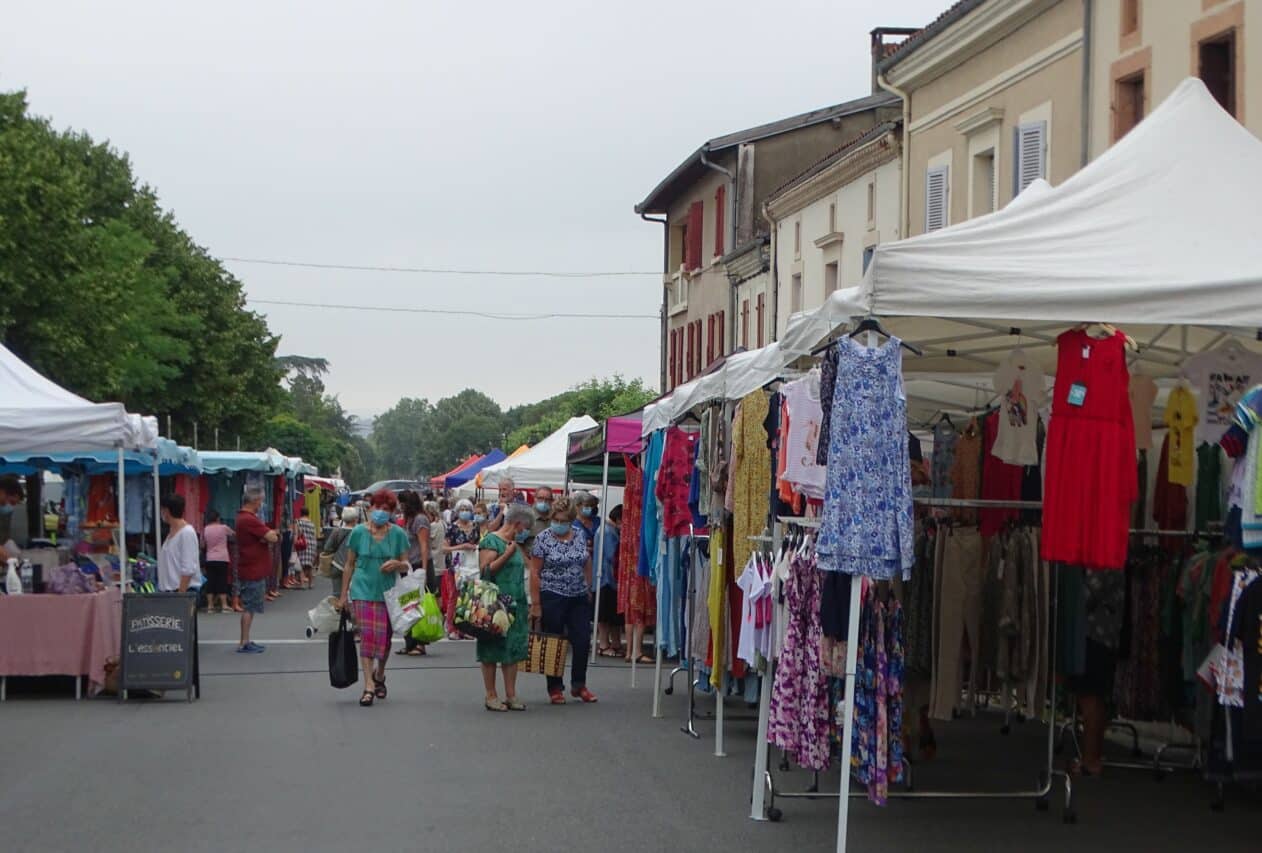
column 867, row 527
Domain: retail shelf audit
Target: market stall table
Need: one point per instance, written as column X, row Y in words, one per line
column 59, row 635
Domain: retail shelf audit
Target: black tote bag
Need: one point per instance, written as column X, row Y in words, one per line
column 343, row 656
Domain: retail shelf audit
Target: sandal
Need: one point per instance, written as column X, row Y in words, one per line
column 587, row 696
column 514, row 705
column 415, row 652
column 495, row 705
column 645, row 659
column 380, row 692
column 556, row 697
column 607, row 652
column 365, row 700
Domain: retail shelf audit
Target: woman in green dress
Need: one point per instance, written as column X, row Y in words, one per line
column 503, row 563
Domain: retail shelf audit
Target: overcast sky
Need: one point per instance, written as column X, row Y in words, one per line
column 491, row 136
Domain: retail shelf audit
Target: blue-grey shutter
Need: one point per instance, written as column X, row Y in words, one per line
column 937, row 191
column 1029, row 155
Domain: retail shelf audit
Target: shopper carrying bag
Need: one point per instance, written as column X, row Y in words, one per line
column 343, row 656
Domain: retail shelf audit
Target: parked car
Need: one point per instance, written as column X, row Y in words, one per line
column 395, row 486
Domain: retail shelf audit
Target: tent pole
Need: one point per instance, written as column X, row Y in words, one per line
column 758, row 808
column 124, row 568
column 157, row 510
column 598, row 569
column 847, row 729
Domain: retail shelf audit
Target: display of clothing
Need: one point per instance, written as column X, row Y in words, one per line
column 674, row 477
column 1000, row 481
column 1089, row 476
column 1143, row 393
column 1209, row 469
column 801, row 445
column 877, row 742
column 651, row 543
column 1021, row 387
column 1220, row 377
column 754, row 582
column 1169, row 499
column 966, row 470
column 958, row 595
column 1181, row 420
column 637, row 600
column 867, row 521
column 800, row 720
column 944, row 441
column 751, row 475
column 827, row 390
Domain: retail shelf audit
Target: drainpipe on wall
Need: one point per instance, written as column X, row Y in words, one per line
column 665, row 271
column 1087, row 15
column 905, row 177
column 775, row 275
column 730, row 236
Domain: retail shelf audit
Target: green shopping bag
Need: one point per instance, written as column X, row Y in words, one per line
column 430, row 627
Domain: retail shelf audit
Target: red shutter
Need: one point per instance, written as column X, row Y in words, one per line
column 709, row 340
column 696, row 221
column 720, row 217
column 761, row 305
column 745, row 324
column 670, row 361
column 688, row 356
column 720, row 332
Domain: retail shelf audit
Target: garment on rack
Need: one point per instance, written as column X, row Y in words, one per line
column 1246, row 632
column 1169, row 500
column 834, row 606
column 1209, row 469
column 651, row 543
column 138, row 498
column 877, row 744
column 751, row 467
column 800, row 719
column 1137, row 691
column 801, row 445
column 918, row 610
column 716, row 603
column 966, row 471
column 674, row 477
column 867, row 523
column 699, row 624
column 827, row 390
column 755, row 585
column 1000, row 481
column 944, row 440
column 959, row 600
column 195, row 499
column 701, row 479
column 636, row 598
column 1143, row 393
column 1021, row 388
column 102, row 499
column 1181, row 422
column 1089, row 478
column 1221, row 377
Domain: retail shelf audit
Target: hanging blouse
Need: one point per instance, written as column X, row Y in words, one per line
column 802, row 441
column 827, row 388
column 867, row 527
column 673, row 480
column 751, row 475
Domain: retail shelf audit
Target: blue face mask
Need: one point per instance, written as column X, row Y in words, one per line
column 479, row 517
column 560, row 528
column 522, row 536
column 465, row 515
column 542, row 507
column 380, row 517
column 588, row 511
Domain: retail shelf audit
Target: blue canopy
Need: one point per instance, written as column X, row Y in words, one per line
column 172, row 459
column 494, row 457
column 230, row 461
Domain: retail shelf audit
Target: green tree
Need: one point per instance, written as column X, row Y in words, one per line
column 598, row 398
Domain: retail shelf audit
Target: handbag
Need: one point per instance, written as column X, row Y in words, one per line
column 546, row 654
column 300, row 544
column 343, row 657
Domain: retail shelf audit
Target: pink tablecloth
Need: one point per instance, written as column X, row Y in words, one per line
column 60, row 634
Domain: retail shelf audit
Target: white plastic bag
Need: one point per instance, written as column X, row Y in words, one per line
column 403, row 601
column 12, row 582
column 323, row 618
column 465, row 567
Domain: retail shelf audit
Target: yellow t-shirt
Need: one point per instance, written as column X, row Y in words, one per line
column 1181, row 421
column 715, row 601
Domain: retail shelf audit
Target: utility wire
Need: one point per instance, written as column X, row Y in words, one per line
column 460, row 313
column 436, row 271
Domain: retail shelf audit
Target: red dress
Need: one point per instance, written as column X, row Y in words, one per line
column 1090, row 472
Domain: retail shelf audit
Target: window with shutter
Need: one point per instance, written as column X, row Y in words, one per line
column 720, row 332
column 745, row 324
column 700, row 365
column 1030, row 158
column 720, row 218
column 937, row 190
column 761, row 307
column 696, row 221
column 709, row 339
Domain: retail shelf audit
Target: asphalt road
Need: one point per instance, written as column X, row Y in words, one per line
column 273, row 759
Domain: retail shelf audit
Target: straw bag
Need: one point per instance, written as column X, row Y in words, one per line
column 546, row 654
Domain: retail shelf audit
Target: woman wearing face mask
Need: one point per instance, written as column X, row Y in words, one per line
column 461, row 549
column 560, row 592
column 588, row 520
column 376, row 554
column 480, row 515
column 502, row 561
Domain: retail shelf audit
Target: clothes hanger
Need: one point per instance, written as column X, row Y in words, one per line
column 1102, row 331
column 871, row 324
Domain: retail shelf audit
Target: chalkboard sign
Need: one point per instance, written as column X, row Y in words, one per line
column 160, row 643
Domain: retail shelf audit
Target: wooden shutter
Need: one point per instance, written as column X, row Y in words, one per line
column 761, row 305
column 709, row 339
column 696, row 368
column 1030, row 155
column 745, row 323
column 937, row 190
column 720, row 332
column 720, row 218
column 696, row 220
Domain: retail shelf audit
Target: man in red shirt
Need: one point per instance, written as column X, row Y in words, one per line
column 254, row 563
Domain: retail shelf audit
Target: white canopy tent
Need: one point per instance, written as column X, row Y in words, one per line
column 541, row 465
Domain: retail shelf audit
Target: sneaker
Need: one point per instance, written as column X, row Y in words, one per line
column 243, row 650
column 254, row 648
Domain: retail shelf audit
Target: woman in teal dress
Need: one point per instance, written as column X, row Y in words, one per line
column 503, row 563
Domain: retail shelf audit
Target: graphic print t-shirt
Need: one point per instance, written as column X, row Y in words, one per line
column 1220, row 378
column 1021, row 388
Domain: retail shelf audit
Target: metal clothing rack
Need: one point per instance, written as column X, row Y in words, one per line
column 764, row 792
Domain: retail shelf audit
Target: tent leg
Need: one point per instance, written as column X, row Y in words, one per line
column 847, row 730
column 598, row 570
column 157, row 510
column 657, row 685
column 124, row 567
column 719, row 751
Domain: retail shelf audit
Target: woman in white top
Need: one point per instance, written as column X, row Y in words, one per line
column 179, row 568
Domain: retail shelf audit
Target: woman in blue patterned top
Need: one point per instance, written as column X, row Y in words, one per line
column 560, row 594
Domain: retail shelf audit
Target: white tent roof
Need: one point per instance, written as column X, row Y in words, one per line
column 1157, row 235
column 38, row 415
column 541, row 465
